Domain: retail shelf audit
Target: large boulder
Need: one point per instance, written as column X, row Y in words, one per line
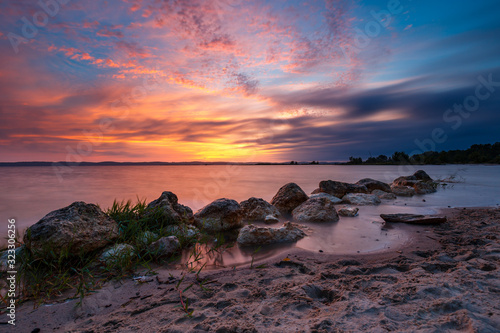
column 256, row 209
column 76, row 229
column 319, row 209
column 220, row 215
column 384, row 195
column 361, row 199
column 372, row 184
column 253, row 235
column 403, row 191
column 413, row 218
column 167, row 209
column 330, row 197
column 339, row 189
column 165, row 246
column 289, row 196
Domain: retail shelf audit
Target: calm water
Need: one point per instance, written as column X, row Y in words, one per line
column 29, row 193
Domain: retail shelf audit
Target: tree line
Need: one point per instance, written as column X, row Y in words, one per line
column 482, row 153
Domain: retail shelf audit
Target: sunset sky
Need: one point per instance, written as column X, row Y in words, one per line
column 234, row 80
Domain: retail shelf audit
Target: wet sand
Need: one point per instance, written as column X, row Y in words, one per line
column 443, row 278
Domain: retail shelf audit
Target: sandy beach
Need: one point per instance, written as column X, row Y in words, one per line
column 445, row 279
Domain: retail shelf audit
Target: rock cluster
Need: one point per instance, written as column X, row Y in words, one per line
column 420, row 182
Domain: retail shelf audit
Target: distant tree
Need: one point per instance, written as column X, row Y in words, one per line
column 400, row 157
column 355, row 160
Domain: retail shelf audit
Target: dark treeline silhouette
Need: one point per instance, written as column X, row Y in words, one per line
column 484, row 153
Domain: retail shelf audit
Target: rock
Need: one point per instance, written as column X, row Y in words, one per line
column 253, row 235
column 330, row 197
column 361, row 199
column 146, row 238
column 403, row 191
column 171, row 211
column 384, row 195
column 318, row 209
column 256, row 209
column 372, row 184
column 220, row 215
column 76, row 229
column 413, row 218
column 289, row 197
column 165, row 246
column 348, row 211
column 117, row 253
column 182, row 231
column 422, row 175
column 339, row 189
column 423, row 188
column 271, row 219
column 420, row 181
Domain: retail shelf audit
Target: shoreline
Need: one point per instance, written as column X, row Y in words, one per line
column 445, row 278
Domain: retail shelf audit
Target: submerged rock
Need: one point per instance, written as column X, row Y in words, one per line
column 319, row 209
column 330, row 197
column 403, row 191
column 349, row 211
column 171, row 211
column 165, row 246
column 76, row 229
column 253, row 235
column 384, row 195
column 372, row 184
column 256, row 209
column 414, row 218
column 289, row 197
column 117, row 253
column 340, row 189
column 361, row 199
column 220, row 215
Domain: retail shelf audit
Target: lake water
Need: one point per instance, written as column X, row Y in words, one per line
column 29, row 193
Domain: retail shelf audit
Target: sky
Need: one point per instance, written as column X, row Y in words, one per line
column 245, row 81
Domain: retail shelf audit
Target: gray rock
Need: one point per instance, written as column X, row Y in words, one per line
column 403, row 191
column 289, row 197
column 220, row 215
column 77, row 229
column 5, row 257
column 372, row 184
column 384, row 195
column 253, row 235
column 422, row 175
column 330, row 197
column 256, row 209
column 414, row 218
column 146, row 238
column 172, row 212
column 361, row 199
column 117, row 253
column 270, row 219
column 183, row 231
column 165, row 246
column 316, row 210
column 340, row 189
column 423, row 188
column 349, row 211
